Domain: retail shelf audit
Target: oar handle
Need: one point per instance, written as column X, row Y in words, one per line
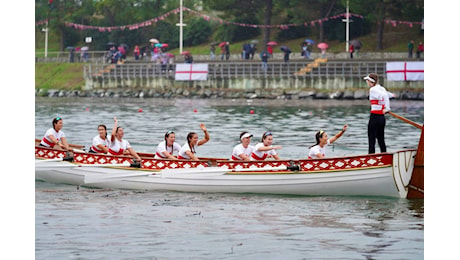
column 406, row 120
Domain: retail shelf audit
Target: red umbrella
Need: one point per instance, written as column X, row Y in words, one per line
column 322, row 45
column 170, row 55
column 164, row 45
column 185, row 53
column 272, row 43
column 222, row 44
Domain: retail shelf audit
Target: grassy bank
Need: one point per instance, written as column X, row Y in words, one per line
column 67, row 76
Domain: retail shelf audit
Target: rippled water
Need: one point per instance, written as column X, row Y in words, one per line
column 82, row 223
column 293, row 123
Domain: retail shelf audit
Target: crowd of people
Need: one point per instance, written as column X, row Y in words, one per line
column 115, row 145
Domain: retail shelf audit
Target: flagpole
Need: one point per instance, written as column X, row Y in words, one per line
column 181, row 29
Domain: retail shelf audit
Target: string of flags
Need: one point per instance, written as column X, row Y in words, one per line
column 221, row 21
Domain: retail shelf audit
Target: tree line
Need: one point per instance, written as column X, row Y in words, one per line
column 198, row 30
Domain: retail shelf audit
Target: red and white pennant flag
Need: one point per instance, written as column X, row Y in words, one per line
column 192, row 71
column 405, row 71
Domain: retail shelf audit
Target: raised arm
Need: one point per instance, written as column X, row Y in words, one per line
column 206, row 135
column 114, row 129
column 338, row 135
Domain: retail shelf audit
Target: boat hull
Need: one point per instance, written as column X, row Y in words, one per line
column 368, row 175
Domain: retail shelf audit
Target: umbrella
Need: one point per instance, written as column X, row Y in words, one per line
column 255, row 41
column 272, row 43
column 213, row 43
column 84, row 48
column 70, row 47
column 356, row 44
column 164, row 45
column 124, row 45
column 170, row 55
column 285, row 48
column 111, row 44
column 185, row 53
column 154, row 40
column 157, row 45
column 222, row 44
column 310, row 41
column 322, row 45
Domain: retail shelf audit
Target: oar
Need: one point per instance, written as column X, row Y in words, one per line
column 406, row 120
column 207, row 171
column 182, row 172
column 49, row 160
column 70, row 165
column 91, row 178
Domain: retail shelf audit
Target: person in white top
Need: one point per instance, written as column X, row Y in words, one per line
column 318, row 150
column 100, row 142
column 188, row 150
column 379, row 98
column 265, row 149
column 243, row 150
column 119, row 146
column 55, row 137
column 166, row 148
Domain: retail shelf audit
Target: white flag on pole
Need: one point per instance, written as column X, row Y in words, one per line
column 192, row 71
column 405, row 71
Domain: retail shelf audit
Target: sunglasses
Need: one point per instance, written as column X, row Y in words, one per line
column 267, row 134
column 169, row 132
column 58, row 118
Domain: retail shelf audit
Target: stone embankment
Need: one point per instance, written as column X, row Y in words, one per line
column 170, row 93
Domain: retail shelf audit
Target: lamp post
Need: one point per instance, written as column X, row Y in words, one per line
column 347, row 28
column 46, row 39
column 181, row 29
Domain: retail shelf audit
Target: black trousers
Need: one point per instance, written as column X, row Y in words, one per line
column 376, row 130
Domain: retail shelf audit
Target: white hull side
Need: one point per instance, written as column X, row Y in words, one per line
column 378, row 181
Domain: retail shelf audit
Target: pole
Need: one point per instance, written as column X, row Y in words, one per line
column 181, row 29
column 46, row 40
column 347, row 29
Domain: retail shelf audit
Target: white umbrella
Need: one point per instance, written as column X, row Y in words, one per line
column 84, row 48
column 154, row 40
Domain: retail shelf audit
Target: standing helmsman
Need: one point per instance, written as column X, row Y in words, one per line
column 380, row 104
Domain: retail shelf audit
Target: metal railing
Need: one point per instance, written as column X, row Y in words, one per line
column 348, row 69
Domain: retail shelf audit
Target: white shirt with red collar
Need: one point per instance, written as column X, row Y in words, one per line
column 97, row 140
column 162, row 148
column 239, row 149
column 312, row 154
column 46, row 141
column 261, row 155
column 380, row 99
column 117, row 147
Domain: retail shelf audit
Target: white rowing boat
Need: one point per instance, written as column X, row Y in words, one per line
column 386, row 174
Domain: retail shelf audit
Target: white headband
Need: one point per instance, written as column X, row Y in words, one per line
column 246, row 135
column 369, row 78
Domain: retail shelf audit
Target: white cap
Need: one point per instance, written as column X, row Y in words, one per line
column 246, row 135
column 369, row 78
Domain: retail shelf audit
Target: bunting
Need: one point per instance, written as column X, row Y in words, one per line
column 221, row 21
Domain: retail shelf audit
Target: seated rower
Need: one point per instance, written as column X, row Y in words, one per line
column 55, row 137
column 243, row 150
column 100, row 142
column 165, row 149
column 318, row 150
column 119, row 146
column 265, row 149
column 188, row 150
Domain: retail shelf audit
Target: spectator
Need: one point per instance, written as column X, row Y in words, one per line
column 264, row 55
column 136, row 52
column 419, row 49
column 270, row 50
column 410, row 48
